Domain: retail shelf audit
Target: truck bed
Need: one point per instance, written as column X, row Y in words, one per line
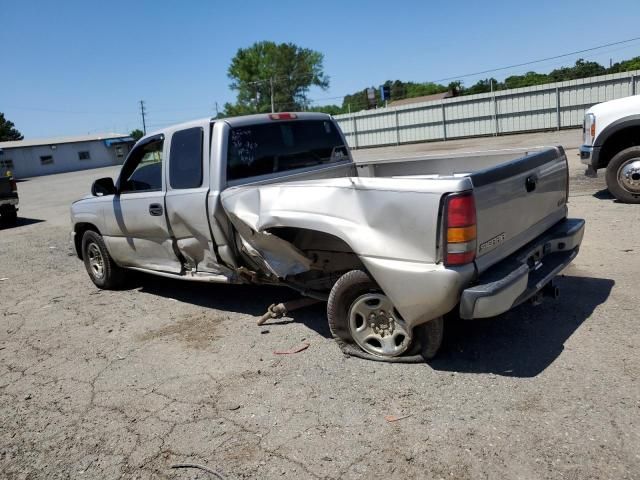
column 518, row 193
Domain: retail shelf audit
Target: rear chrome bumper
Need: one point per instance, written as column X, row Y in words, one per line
column 524, row 273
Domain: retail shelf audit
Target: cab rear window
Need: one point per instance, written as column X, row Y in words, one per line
column 279, row 146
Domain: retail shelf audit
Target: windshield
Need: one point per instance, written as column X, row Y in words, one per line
column 279, row 146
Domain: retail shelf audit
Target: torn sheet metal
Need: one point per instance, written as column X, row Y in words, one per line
column 277, row 256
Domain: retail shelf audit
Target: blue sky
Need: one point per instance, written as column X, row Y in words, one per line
column 73, row 67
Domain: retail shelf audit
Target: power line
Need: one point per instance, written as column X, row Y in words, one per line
column 536, row 61
column 555, row 57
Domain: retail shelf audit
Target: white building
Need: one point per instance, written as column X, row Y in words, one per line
column 31, row 158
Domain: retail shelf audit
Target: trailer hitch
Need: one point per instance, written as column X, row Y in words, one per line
column 549, row 290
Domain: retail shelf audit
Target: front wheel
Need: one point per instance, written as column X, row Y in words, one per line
column 102, row 270
column 365, row 323
column 623, row 175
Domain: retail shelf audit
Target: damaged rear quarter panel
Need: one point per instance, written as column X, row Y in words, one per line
column 379, row 218
column 375, row 218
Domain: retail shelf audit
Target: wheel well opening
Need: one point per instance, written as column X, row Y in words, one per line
column 330, row 255
column 625, row 138
column 79, row 230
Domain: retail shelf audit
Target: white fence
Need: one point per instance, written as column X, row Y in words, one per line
column 543, row 107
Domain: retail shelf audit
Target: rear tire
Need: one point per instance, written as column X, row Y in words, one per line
column 623, row 175
column 9, row 215
column 361, row 318
column 102, row 270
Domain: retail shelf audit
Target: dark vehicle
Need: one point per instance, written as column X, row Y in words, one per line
column 8, row 200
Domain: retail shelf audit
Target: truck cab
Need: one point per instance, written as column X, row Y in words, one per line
column 611, row 141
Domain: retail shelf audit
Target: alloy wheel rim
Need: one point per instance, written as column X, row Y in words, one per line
column 96, row 262
column 629, row 175
column 376, row 327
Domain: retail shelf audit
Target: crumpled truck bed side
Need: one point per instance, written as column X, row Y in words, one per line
column 392, row 225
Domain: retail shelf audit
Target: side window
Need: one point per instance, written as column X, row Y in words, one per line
column 185, row 158
column 142, row 172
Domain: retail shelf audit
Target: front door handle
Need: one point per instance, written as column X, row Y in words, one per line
column 155, row 209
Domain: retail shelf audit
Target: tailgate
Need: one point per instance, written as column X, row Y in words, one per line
column 517, row 201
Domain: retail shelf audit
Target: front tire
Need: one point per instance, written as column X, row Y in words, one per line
column 102, row 270
column 363, row 319
column 623, row 175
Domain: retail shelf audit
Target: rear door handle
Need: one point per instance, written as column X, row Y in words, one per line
column 155, row 209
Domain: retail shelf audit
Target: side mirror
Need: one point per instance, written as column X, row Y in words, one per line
column 103, row 186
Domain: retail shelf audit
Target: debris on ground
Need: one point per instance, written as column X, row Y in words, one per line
column 297, row 349
column 394, row 418
column 281, row 309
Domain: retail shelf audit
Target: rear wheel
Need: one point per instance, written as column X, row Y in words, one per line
column 9, row 215
column 623, row 175
column 102, row 270
column 361, row 315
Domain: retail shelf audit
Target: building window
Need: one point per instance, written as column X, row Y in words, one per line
column 119, row 151
column 8, row 164
column 46, row 160
column 84, row 156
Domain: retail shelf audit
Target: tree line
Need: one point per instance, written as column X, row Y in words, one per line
column 278, row 76
column 401, row 90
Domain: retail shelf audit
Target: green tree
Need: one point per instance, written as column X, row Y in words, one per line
column 285, row 70
column 483, row 86
column 581, row 69
column 527, row 80
column 8, row 131
column 625, row 65
column 136, row 134
column 330, row 109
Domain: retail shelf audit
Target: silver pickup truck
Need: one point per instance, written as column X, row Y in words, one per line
column 392, row 246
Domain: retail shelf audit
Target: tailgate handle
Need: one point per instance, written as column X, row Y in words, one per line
column 530, row 183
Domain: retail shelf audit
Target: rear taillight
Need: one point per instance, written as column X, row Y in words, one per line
column 460, row 229
column 13, row 184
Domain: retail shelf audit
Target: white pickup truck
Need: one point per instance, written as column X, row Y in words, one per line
column 611, row 140
column 392, row 245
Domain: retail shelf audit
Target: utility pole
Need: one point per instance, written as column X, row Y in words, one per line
column 217, row 113
column 142, row 112
column 273, row 110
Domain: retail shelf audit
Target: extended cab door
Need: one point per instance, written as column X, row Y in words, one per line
column 186, row 200
column 137, row 230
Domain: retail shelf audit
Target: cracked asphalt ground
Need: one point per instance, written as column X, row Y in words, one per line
column 98, row 384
